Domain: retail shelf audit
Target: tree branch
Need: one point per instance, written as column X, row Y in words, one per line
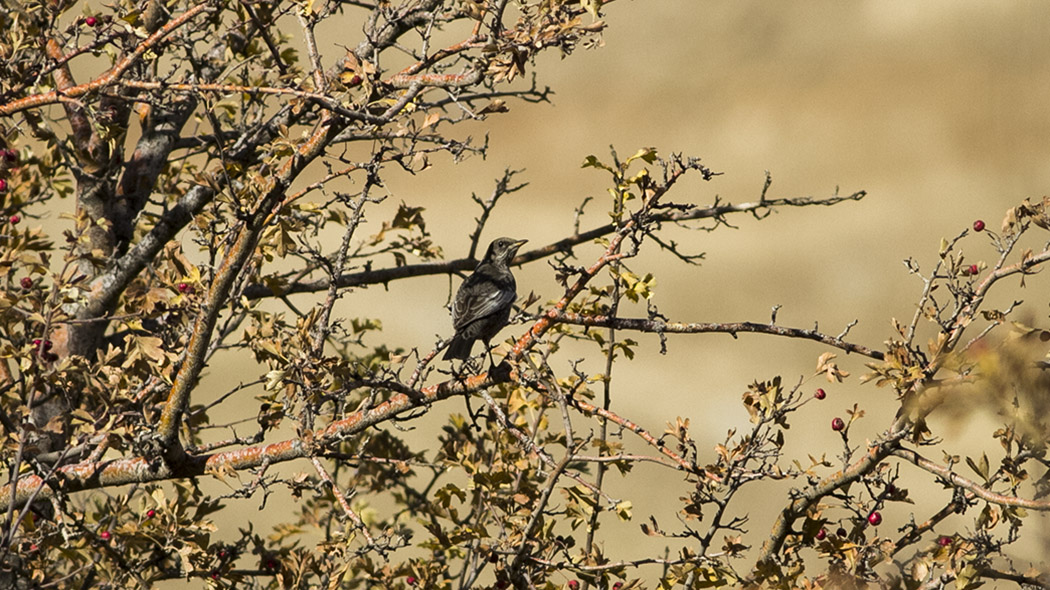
column 386, row 275
column 658, row 326
column 961, row 482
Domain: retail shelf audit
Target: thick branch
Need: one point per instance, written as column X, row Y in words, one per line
column 109, row 286
column 232, row 264
column 92, row 475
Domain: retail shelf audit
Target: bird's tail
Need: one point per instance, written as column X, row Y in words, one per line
column 459, row 348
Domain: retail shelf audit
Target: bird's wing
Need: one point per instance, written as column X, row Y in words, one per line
column 472, row 303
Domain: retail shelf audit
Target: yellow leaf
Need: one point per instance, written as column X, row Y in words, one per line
column 623, row 510
column 646, row 154
column 592, row 6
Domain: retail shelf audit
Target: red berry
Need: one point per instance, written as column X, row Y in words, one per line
column 184, row 287
column 837, row 424
column 151, row 513
column 215, row 575
column 978, row 225
column 27, row 283
column 875, row 518
column 3, row 185
column 10, row 156
column 574, row 585
column 105, row 535
column 841, row 532
column 617, row 586
column 355, row 80
column 944, row 540
column 822, row 534
column 973, row 269
column 90, row 21
column 271, row 564
column 820, row 394
column 411, row 580
column 14, row 219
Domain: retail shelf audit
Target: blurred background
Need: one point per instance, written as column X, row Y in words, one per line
column 938, row 109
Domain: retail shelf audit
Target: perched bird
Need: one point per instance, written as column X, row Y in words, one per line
column 482, row 305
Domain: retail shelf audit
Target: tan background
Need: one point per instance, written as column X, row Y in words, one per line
column 938, row 109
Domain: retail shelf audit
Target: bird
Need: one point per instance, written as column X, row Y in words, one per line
column 482, row 304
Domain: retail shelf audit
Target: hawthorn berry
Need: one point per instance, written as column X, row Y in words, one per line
column 3, row 185
column 822, row 534
column 978, row 225
column 837, row 424
column 215, row 574
column 271, row 564
column 973, row 269
column 27, row 283
column 14, row 219
column 411, row 580
column 90, row 21
column 841, row 532
column 617, row 586
column 574, row 585
column 105, row 535
column 151, row 513
column 820, row 393
column 874, row 519
column 944, row 540
column 184, row 287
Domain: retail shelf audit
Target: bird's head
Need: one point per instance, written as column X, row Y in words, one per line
column 503, row 250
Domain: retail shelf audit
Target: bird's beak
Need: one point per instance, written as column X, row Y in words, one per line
column 514, row 249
